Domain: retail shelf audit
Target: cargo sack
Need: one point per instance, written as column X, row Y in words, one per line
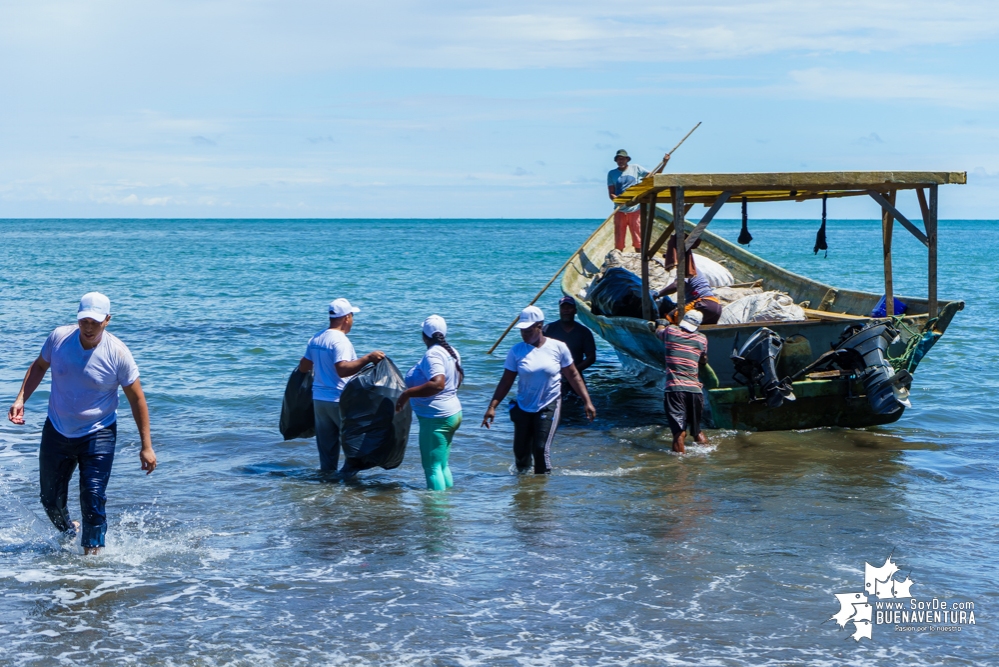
column 298, row 419
column 764, row 307
column 713, row 272
column 371, row 433
column 618, row 294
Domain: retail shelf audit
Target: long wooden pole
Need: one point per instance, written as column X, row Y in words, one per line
column 887, row 222
column 544, row 289
column 676, row 194
column 931, row 234
column 681, row 143
column 549, row 283
column 646, row 301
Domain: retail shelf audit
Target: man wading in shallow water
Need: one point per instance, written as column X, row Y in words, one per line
column 88, row 365
column 686, row 354
column 331, row 355
column 576, row 337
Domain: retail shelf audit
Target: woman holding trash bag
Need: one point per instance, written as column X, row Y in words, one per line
column 539, row 364
column 432, row 386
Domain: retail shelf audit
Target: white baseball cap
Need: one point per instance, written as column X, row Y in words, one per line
column 341, row 307
column 529, row 317
column 94, row 306
column 691, row 320
column 434, row 324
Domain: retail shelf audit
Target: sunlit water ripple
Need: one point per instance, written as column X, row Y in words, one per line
column 237, row 552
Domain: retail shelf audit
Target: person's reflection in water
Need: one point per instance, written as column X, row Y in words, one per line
column 681, row 508
column 532, row 513
column 438, row 530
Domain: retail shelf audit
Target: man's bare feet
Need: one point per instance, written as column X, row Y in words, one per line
column 91, row 551
column 678, row 445
column 702, row 439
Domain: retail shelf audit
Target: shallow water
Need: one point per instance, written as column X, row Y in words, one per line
column 237, row 552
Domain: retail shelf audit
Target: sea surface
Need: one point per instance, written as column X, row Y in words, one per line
column 236, row 551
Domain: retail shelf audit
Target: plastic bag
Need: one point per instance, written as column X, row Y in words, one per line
column 617, row 294
column 881, row 310
column 371, row 432
column 765, row 307
column 298, row 419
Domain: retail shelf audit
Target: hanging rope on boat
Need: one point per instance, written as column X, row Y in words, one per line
column 904, row 360
column 820, row 237
column 744, row 236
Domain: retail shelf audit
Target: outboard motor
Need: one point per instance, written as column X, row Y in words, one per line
column 755, row 366
column 887, row 391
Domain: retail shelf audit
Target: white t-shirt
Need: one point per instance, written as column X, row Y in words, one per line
column 539, row 372
column 436, row 361
column 325, row 350
column 84, row 397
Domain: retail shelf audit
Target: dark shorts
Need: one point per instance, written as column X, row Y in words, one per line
column 683, row 411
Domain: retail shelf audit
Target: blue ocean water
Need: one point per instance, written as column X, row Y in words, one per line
column 236, row 552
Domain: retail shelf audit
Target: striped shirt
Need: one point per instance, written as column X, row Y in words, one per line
column 684, row 352
column 696, row 288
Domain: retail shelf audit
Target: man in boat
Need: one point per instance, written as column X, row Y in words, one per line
column 332, row 356
column 686, row 354
column 626, row 218
column 88, row 365
column 698, row 294
column 576, row 337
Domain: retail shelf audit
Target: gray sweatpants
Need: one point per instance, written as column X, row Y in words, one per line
column 327, row 434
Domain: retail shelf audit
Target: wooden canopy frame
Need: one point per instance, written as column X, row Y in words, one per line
column 714, row 190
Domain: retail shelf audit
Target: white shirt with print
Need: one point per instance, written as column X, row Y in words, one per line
column 539, row 372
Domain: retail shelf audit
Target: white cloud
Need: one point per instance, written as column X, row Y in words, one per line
column 228, row 36
column 892, row 86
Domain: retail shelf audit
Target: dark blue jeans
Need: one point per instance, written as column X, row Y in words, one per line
column 58, row 457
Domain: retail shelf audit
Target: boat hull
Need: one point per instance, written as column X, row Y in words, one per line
column 836, row 402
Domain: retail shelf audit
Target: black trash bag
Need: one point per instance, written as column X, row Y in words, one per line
column 618, row 294
column 371, row 432
column 298, row 419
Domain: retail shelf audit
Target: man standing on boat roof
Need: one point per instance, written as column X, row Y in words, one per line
column 686, row 354
column 331, row 354
column 576, row 337
column 88, row 365
column 626, row 218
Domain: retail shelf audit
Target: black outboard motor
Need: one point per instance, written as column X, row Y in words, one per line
column 755, row 366
column 887, row 391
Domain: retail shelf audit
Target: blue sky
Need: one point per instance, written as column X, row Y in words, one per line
column 487, row 109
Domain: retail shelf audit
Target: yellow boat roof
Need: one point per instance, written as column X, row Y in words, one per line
column 784, row 186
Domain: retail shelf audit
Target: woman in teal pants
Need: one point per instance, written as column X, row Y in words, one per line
column 432, row 385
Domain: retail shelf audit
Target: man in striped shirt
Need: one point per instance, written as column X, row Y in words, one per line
column 686, row 353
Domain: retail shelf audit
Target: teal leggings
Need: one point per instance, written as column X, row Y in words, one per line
column 435, row 445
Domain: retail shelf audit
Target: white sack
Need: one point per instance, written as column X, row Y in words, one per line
column 716, row 274
column 765, row 307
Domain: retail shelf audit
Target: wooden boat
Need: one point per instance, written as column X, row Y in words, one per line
column 828, row 399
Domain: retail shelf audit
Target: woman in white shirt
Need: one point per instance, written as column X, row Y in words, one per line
column 432, row 386
column 539, row 364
